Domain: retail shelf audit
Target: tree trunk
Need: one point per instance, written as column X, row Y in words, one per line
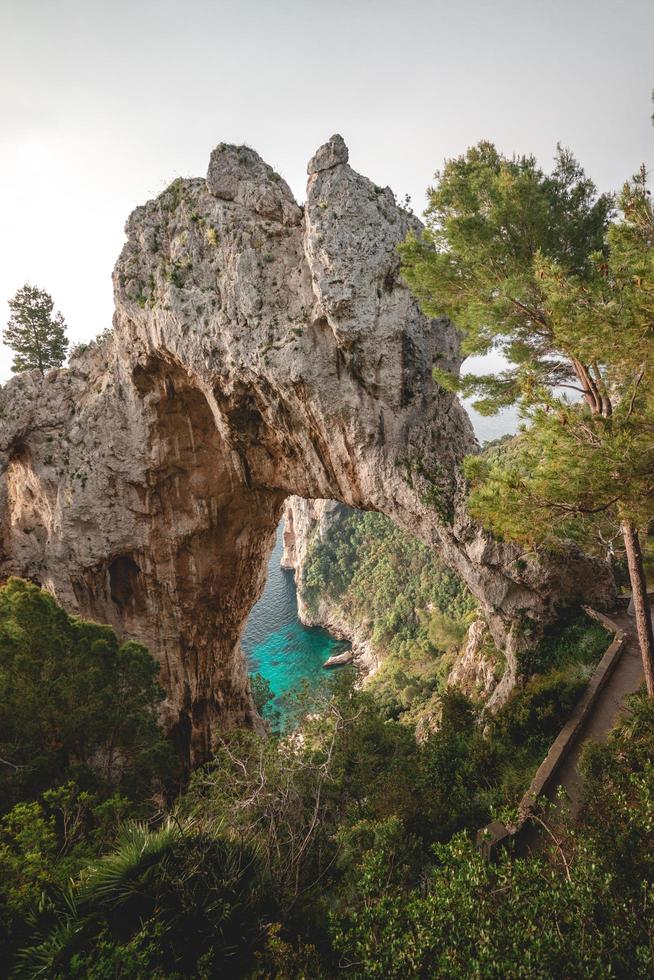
column 641, row 602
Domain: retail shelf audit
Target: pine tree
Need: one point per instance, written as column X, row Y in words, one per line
column 527, row 264
column 36, row 336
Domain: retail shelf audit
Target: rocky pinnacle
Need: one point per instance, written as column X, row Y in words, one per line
column 260, row 349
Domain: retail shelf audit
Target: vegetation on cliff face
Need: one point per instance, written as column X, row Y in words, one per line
column 530, row 264
column 416, row 613
column 378, row 572
column 345, row 846
column 410, row 605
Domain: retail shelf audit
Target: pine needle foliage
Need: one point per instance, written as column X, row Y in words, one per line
column 491, row 222
column 531, row 265
column 35, row 333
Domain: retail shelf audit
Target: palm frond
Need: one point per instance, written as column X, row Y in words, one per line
column 115, row 877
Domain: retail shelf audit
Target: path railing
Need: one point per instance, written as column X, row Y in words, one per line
column 496, row 834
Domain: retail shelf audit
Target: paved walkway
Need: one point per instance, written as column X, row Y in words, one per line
column 626, row 678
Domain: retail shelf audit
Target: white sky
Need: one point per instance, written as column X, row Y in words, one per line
column 104, row 102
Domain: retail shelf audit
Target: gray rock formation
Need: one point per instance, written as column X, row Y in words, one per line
column 259, row 350
column 304, row 521
column 474, row 670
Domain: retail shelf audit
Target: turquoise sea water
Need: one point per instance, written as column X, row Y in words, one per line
column 278, row 646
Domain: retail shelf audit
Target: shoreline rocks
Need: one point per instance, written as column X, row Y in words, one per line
column 338, row 660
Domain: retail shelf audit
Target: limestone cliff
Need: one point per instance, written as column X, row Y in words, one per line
column 304, row 521
column 260, row 349
column 475, row 668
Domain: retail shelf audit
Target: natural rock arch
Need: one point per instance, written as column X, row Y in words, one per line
column 260, row 349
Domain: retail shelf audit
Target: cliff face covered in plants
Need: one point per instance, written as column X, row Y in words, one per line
column 414, row 627
column 260, row 349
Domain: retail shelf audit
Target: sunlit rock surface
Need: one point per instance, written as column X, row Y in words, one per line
column 260, row 349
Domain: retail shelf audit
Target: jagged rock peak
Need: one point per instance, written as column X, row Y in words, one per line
column 237, row 173
column 258, row 352
column 329, row 155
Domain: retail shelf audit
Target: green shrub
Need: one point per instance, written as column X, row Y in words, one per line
column 74, row 702
column 525, row 919
column 575, row 639
column 167, row 903
column 534, row 715
column 262, row 692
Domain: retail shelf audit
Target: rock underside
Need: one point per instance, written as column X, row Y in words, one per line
column 260, row 349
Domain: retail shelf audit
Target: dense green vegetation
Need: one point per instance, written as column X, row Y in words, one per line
column 580, row 909
column 374, row 569
column 80, row 747
column 416, row 613
column 413, row 608
column 74, row 704
column 263, row 866
column 349, row 849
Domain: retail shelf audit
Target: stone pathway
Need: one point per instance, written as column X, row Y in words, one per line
column 626, row 678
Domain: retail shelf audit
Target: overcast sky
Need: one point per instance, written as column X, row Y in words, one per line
column 102, row 104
